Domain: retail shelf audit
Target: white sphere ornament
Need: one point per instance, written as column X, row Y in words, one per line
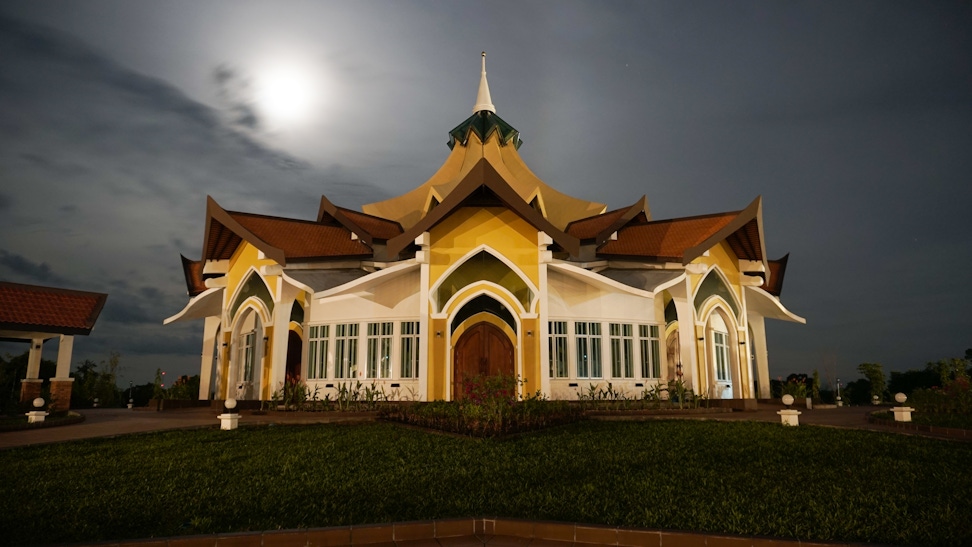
column 788, row 399
column 230, row 404
column 38, row 402
column 900, row 398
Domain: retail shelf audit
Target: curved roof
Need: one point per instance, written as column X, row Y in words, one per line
column 484, row 135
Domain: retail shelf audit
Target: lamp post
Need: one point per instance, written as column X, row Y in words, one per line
column 131, row 397
column 839, row 402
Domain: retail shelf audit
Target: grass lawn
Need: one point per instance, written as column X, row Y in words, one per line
column 731, row 477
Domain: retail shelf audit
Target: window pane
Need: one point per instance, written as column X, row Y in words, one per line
column 557, row 346
column 409, row 349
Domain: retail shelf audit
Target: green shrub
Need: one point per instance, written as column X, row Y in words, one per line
column 950, row 404
column 488, row 407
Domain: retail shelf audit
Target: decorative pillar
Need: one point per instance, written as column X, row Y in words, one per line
column 61, row 393
column 30, row 387
column 902, row 413
column 62, row 383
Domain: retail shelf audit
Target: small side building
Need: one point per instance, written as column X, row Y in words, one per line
column 35, row 314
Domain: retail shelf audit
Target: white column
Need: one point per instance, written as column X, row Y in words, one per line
column 206, row 357
column 34, row 358
column 543, row 329
column 687, row 340
column 758, row 347
column 281, row 332
column 65, row 348
column 422, row 257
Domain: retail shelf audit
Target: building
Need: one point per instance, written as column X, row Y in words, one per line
column 484, row 269
column 36, row 314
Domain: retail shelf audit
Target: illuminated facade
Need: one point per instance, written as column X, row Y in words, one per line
column 484, row 269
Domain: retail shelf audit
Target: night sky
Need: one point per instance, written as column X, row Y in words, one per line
column 853, row 120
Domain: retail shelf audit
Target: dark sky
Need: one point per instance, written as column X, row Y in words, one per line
column 853, row 120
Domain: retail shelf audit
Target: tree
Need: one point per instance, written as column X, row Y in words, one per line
column 97, row 381
column 874, row 373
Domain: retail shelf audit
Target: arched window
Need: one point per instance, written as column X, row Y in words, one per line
column 483, row 266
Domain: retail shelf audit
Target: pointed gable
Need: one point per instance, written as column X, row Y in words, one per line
column 685, row 239
column 368, row 228
column 483, row 187
column 278, row 238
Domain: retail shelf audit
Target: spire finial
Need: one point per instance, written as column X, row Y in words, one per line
column 483, row 101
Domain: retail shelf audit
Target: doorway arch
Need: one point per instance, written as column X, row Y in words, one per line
column 482, row 350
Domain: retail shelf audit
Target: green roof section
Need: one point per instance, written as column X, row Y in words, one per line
column 484, row 123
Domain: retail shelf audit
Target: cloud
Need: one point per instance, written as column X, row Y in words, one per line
column 234, row 90
column 28, row 271
column 109, row 170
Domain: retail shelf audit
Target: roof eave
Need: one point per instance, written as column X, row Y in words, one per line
column 754, row 211
column 220, row 215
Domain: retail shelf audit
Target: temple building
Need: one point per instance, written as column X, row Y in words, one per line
column 484, row 269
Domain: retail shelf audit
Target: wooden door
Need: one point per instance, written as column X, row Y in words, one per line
column 483, row 350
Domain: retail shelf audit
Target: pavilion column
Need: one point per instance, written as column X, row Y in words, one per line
column 62, row 382
column 30, row 387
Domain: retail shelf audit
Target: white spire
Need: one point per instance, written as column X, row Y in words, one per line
column 483, row 102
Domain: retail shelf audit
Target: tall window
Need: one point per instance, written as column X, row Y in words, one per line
column 622, row 351
column 249, row 355
column 410, row 349
column 558, row 349
column 588, row 339
column 317, row 352
column 379, row 349
column 650, row 351
column 721, row 345
column 345, row 350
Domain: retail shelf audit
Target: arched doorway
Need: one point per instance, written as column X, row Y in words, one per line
column 482, row 350
column 720, row 357
column 294, row 352
column 246, row 368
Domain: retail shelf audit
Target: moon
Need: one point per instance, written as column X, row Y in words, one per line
column 286, row 95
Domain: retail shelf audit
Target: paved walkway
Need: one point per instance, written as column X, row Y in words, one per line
column 110, row 422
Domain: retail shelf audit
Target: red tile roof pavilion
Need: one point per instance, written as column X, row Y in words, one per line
column 26, row 308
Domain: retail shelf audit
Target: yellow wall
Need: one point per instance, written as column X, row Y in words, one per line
column 497, row 227
column 452, row 239
column 244, row 257
column 722, row 256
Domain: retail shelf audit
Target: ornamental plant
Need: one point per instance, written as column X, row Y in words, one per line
column 489, row 406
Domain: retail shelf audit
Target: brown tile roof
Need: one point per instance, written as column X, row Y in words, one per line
column 302, row 239
column 588, row 228
column 378, row 228
column 665, row 239
column 280, row 239
column 47, row 309
column 194, row 277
